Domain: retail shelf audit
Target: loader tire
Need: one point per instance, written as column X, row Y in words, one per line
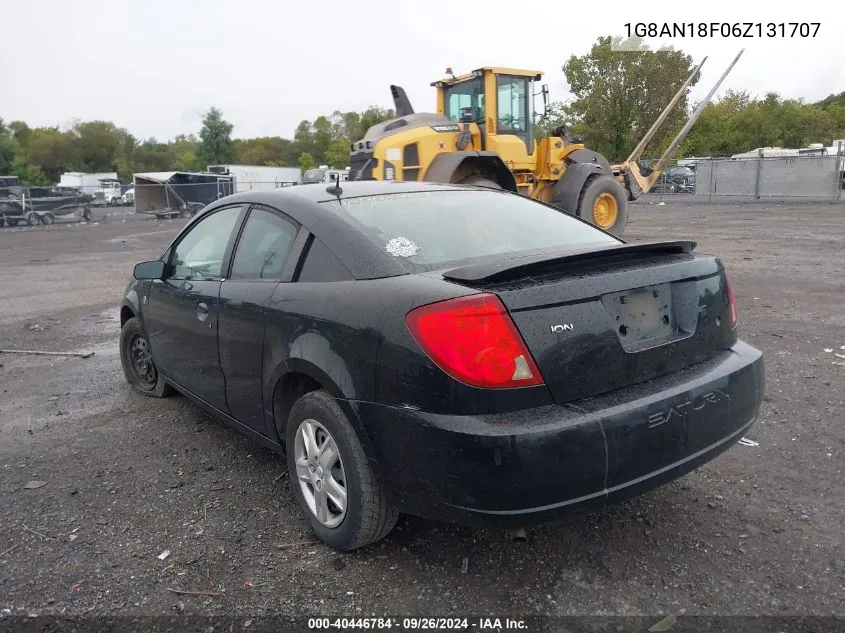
column 604, row 203
column 480, row 181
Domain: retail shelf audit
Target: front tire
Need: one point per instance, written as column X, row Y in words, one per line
column 137, row 361
column 331, row 476
column 604, row 204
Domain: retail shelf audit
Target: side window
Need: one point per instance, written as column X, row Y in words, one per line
column 200, row 253
column 321, row 265
column 468, row 94
column 264, row 246
column 513, row 103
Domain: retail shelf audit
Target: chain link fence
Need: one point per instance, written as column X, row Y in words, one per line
column 794, row 177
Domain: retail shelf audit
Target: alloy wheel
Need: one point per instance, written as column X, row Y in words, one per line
column 319, row 471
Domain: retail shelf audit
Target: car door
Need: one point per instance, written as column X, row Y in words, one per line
column 183, row 305
column 262, row 259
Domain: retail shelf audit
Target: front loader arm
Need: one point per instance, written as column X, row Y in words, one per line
column 636, row 181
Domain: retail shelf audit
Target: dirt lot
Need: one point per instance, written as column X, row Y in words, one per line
column 757, row 531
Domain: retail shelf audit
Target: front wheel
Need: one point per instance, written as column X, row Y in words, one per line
column 331, row 477
column 137, row 361
column 604, row 203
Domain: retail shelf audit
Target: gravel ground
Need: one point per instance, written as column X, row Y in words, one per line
column 145, row 498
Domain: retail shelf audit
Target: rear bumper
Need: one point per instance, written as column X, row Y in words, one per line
column 533, row 465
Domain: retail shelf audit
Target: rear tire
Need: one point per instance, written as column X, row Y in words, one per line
column 86, row 214
column 48, row 218
column 604, row 204
column 367, row 516
column 31, row 218
column 138, row 366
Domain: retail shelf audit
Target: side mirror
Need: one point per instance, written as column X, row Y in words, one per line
column 149, row 270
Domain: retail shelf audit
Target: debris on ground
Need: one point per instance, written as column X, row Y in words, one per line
column 666, row 623
column 39, row 534
column 518, row 535
column 287, row 545
column 10, row 550
column 43, row 353
column 746, row 442
column 164, row 554
column 465, row 565
column 185, row 592
column 34, row 484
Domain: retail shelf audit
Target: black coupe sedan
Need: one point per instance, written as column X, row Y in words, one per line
column 459, row 353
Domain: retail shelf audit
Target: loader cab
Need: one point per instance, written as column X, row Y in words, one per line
column 501, row 102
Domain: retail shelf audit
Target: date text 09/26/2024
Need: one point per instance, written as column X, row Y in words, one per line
column 418, row 624
column 722, row 29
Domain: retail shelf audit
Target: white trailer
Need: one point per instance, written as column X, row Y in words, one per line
column 85, row 183
column 252, row 177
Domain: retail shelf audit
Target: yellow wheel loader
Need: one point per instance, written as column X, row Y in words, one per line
column 483, row 134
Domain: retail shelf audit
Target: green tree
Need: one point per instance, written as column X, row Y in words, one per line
column 337, row 155
column 52, row 152
column 305, row 161
column 370, row 117
column 322, row 138
column 216, row 144
column 8, row 149
column 151, row 155
column 303, row 139
column 738, row 123
column 21, row 132
column 271, row 150
column 96, row 144
column 125, row 156
column 555, row 116
column 620, row 93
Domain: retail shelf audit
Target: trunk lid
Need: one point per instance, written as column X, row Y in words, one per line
column 602, row 319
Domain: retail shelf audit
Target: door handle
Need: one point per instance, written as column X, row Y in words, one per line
column 202, row 311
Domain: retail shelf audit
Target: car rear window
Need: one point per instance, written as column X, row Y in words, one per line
column 433, row 229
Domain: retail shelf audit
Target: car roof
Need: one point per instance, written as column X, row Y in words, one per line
column 361, row 256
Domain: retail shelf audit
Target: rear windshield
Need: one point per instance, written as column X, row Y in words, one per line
column 434, row 229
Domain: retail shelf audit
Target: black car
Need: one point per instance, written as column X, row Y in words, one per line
column 676, row 180
column 464, row 354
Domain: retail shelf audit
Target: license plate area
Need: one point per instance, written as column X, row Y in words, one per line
column 642, row 316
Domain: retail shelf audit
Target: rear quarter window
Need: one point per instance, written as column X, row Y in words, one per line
column 321, row 265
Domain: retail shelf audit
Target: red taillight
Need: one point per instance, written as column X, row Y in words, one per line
column 732, row 307
column 474, row 340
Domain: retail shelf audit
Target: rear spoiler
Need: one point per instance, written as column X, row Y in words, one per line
column 512, row 268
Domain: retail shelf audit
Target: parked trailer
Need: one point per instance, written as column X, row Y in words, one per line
column 85, row 182
column 253, row 177
column 41, row 205
column 178, row 193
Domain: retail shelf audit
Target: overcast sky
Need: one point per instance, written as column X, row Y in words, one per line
column 155, row 66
